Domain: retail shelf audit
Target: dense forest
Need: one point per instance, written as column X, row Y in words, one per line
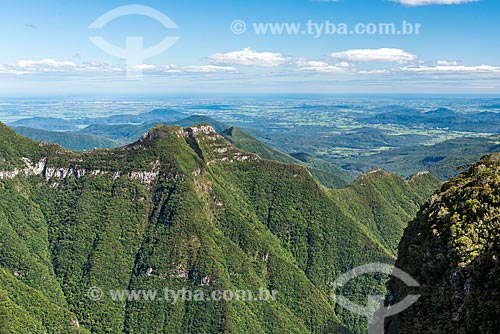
column 184, row 208
column 452, row 249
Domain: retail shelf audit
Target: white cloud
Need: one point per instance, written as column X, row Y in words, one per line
column 313, row 66
column 381, row 71
column 341, row 67
column 47, row 66
column 441, row 68
column 208, row 69
column 45, row 63
column 452, row 69
column 248, row 57
column 39, row 66
column 164, row 69
column 344, row 64
column 380, row 55
column 322, row 67
column 447, row 63
column 156, row 69
column 145, row 67
column 414, row 3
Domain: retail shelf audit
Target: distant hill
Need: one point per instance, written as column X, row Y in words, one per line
column 327, row 174
column 200, row 119
column 366, row 137
column 492, row 106
column 157, row 115
column 73, row 124
column 485, row 122
column 248, row 143
column 385, row 203
column 124, row 132
column 441, row 159
column 127, row 133
column 46, row 123
column 325, row 166
column 71, row 139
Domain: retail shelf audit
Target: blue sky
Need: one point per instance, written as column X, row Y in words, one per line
column 46, row 47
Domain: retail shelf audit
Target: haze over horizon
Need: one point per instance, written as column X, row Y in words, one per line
column 220, row 49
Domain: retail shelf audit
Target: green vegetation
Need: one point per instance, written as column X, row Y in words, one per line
column 326, row 173
column 71, row 140
column 14, row 147
column 385, row 203
column 452, row 250
column 206, row 216
column 340, row 139
column 245, row 142
column 125, row 132
column 46, row 123
column 440, row 159
column 114, row 135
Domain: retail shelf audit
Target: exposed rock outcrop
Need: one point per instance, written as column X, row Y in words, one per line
column 50, row 172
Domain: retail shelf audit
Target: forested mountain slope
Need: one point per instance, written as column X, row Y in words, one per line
column 452, row 249
column 181, row 208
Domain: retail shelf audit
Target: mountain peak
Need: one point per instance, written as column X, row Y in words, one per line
column 162, row 131
column 201, row 129
column 230, row 131
column 422, row 174
column 158, row 131
column 441, row 112
column 376, row 173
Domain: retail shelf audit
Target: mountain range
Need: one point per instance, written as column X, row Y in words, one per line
column 395, row 138
column 184, row 208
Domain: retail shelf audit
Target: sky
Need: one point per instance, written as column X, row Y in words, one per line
column 257, row 47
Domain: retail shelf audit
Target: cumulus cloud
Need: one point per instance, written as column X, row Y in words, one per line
column 323, row 67
column 248, row 57
column 414, row 3
column 345, row 66
column 338, row 68
column 447, row 63
column 379, row 55
column 43, row 66
column 440, row 68
column 47, row 66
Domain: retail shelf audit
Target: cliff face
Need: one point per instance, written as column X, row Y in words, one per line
column 452, row 250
